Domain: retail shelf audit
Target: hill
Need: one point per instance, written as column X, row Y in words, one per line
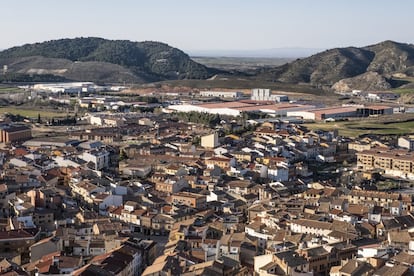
column 102, row 60
column 327, row 68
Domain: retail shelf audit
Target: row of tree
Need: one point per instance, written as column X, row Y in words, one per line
column 200, row 118
column 63, row 122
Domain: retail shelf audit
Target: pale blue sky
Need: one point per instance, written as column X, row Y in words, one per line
column 211, row 24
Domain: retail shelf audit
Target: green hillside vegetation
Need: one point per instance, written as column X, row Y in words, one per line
column 148, row 61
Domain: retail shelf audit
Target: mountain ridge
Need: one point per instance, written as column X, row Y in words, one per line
column 116, row 61
column 140, row 61
column 331, row 66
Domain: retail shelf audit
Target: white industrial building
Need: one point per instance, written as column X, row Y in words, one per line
column 305, row 115
column 325, row 113
column 222, row 94
column 341, row 112
column 237, row 107
column 260, row 94
column 66, row 87
column 196, row 108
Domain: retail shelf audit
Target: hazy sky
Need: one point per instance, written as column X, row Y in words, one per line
column 211, row 24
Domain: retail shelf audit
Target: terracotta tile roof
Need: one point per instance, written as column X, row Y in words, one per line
column 404, row 258
column 17, row 234
column 313, row 224
column 399, row 237
column 3, row 188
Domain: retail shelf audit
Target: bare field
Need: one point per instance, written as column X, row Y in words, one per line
column 240, row 63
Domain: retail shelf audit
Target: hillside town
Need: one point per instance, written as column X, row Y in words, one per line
column 252, row 191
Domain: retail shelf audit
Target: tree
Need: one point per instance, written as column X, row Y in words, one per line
column 122, row 155
column 196, row 140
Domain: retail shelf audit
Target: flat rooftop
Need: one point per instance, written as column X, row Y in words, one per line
column 376, row 107
column 333, row 110
column 225, row 105
column 251, row 105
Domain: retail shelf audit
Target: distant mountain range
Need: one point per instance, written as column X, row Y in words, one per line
column 293, row 52
column 95, row 59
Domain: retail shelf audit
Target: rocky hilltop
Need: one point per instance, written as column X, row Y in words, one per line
column 372, row 66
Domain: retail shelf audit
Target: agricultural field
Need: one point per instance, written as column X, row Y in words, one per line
column 30, row 113
column 355, row 128
column 10, row 89
column 243, row 64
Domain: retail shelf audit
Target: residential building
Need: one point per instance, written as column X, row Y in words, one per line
column 14, row 133
column 311, row 227
column 222, row 162
column 378, row 198
column 171, row 186
column 393, row 162
column 98, row 158
column 210, row 141
column 15, row 244
column 190, row 199
column 406, row 142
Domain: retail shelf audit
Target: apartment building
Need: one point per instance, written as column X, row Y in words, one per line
column 377, row 198
column 394, row 162
column 98, row 158
column 210, row 141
